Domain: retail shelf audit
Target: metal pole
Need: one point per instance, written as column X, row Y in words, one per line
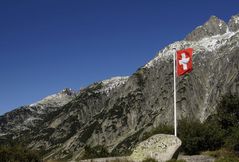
column 174, row 84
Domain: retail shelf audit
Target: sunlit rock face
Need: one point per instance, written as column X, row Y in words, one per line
column 214, row 26
column 234, row 23
column 116, row 112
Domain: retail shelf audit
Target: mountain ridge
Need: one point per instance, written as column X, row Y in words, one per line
column 117, row 117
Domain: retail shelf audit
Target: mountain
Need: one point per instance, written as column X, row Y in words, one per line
column 116, row 112
column 27, row 117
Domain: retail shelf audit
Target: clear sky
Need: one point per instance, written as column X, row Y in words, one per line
column 48, row 45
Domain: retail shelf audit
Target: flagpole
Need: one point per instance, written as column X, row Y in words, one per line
column 174, row 100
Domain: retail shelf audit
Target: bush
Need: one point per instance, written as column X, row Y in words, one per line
column 223, row 155
column 227, row 117
column 174, row 160
column 139, row 75
column 149, row 160
column 219, row 153
column 162, row 128
column 98, row 151
column 232, row 140
column 197, row 136
column 227, row 111
column 220, row 130
column 228, row 159
column 18, row 153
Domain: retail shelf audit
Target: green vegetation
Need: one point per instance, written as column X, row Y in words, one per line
column 218, row 136
column 162, row 128
column 222, row 155
column 220, row 130
column 98, row 151
column 149, row 160
column 125, row 148
column 139, row 75
column 227, row 112
column 197, row 137
column 219, row 153
column 228, row 159
column 18, row 154
column 174, row 160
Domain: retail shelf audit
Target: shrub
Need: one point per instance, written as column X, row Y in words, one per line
column 197, row 136
column 162, row 128
column 228, row 118
column 149, row 160
column 222, row 155
column 227, row 111
column 18, row 153
column 98, row 151
column 140, row 77
column 213, row 136
column 219, row 153
column 232, row 140
column 174, row 160
column 220, row 130
column 228, row 159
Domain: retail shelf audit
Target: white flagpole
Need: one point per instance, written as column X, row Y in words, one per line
column 174, row 84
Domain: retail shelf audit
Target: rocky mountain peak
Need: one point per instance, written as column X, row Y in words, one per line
column 68, row 91
column 56, row 100
column 112, row 83
column 214, row 26
column 233, row 23
column 117, row 112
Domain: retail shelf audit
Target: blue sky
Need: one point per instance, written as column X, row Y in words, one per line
column 48, row 45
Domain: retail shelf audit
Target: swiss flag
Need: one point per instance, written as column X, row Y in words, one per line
column 184, row 61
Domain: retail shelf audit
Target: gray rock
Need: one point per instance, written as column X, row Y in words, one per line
column 117, row 112
column 233, row 23
column 27, row 117
column 161, row 147
column 213, row 26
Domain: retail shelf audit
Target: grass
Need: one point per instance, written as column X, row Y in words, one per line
column 174, row 160
column 223, row 155
column 149, row 160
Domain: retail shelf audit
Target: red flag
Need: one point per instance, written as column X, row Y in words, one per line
column 184, row 61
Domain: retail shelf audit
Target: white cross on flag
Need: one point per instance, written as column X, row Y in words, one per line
column 184, row 61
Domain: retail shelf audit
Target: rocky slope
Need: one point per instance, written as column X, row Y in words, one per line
column 116, row 112
column 27, row 117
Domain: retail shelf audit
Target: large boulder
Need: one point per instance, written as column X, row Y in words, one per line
column 161, row 147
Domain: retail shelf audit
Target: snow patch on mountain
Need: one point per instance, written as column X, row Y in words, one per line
column 208, row 44
column 113, row 83
column 166, row 53
column 56, row 100
column 214, row 42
